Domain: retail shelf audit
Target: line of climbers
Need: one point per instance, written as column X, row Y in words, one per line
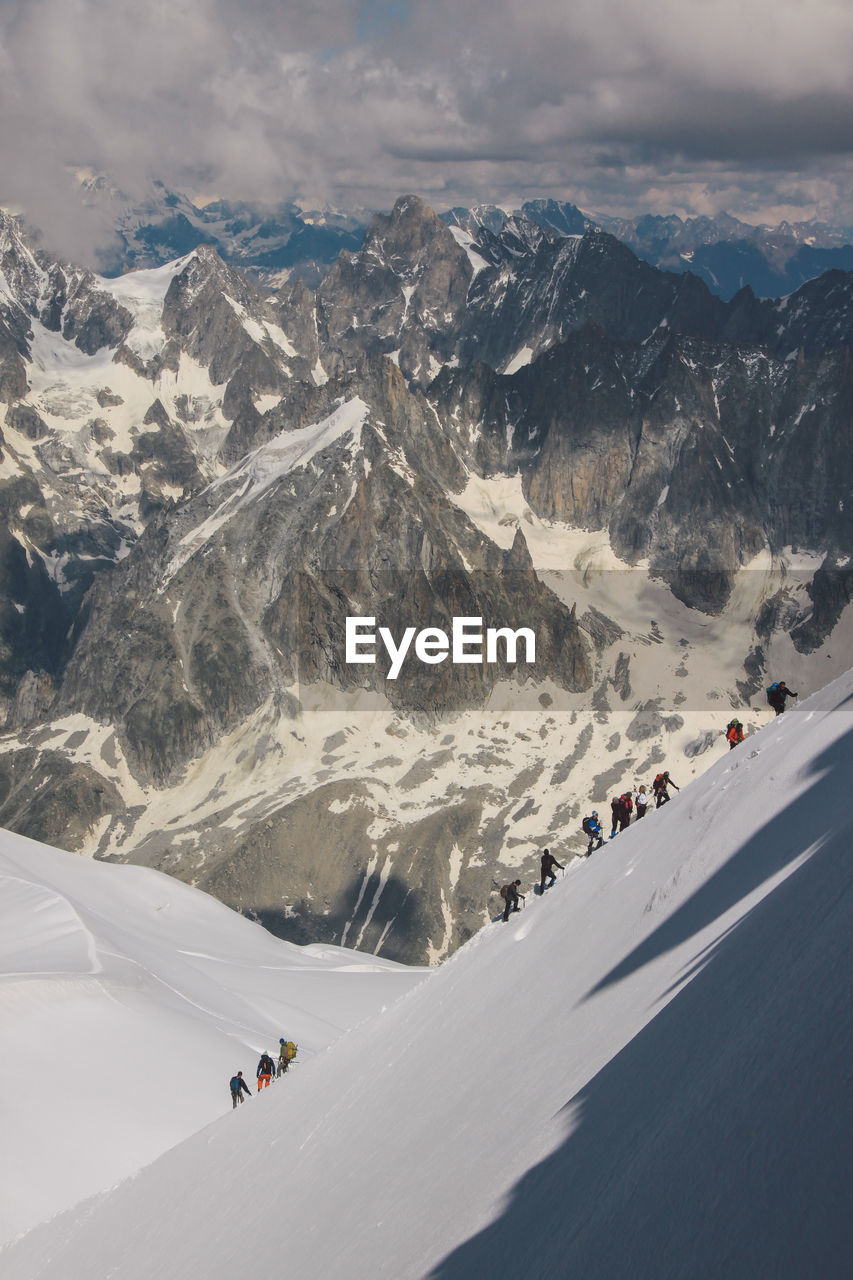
column 621, row 807
column 510, row 892
column 267, row 1071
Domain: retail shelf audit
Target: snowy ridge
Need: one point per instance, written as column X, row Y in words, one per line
column 128, row 1000
column 260, row 469
column 655, row 1058
column 143, row 293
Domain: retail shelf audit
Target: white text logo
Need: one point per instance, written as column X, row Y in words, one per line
column 432, row 645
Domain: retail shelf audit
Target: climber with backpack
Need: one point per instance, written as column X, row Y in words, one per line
column 734, row 733
column 548, row 863
column 776, row 695
column 620, row 808
column 509, row 893
column 265, row 1071
column 592, row 828
column 238, row 1088
column 659, row 788
column 286, row 1054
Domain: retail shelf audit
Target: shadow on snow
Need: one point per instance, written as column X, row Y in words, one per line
column 716, row 1143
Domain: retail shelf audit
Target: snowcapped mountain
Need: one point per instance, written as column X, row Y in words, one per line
column 272, row 243
column 269, row 242
column 645, row 1073
column 202, row 480
column 727, row 254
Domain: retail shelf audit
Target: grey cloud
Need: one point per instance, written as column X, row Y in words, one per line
column 594, row 100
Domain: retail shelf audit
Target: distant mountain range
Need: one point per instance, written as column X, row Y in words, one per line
column 273, row 243
column 270, row 242
column 727, row 254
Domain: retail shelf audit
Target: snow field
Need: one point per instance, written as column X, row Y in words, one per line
column 650, row 1065
column 127, row 1001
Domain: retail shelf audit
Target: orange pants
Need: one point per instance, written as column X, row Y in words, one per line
column 262, row 1080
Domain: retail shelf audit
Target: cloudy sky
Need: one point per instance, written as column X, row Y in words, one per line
column 692, row 106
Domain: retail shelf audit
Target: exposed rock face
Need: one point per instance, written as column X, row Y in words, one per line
column 693, row 462
column 71, row 798
column 404, row 292
column 470, row 421
column 260, row 604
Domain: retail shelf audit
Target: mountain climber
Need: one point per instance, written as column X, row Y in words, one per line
column 286, row 1054
column 734, row 733
column 592, row 828
column 615, row 813
column 510, row 895
column 620, row 808
column 549, row 862
column 641, row 800
column 776, row 695
column 265, row 1070
column 238, row 1088
column 660, row 788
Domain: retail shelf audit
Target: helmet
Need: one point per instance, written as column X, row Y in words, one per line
column 595, row 813
column 281, row 1039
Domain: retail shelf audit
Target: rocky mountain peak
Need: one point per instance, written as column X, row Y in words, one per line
column 518, row 559
column 21, row 276
column 560, row 215
column 403, row 294
column 407, row 232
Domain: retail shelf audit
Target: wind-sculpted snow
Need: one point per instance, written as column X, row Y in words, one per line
column 127, row 1001
column 55, row 940
column 644, row 1074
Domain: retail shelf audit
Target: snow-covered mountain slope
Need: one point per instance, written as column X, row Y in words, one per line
column 121, row 404
column 127, row 1001
column 645, row 1074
